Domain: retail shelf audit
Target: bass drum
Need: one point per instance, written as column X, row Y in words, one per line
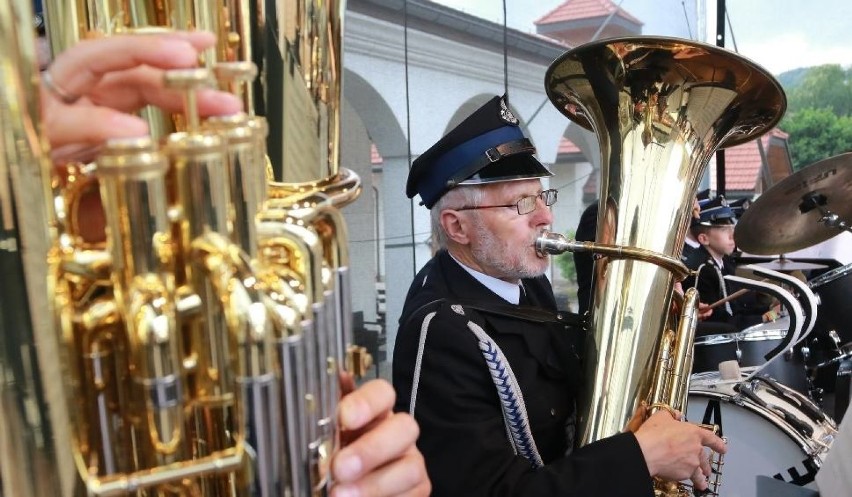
column 761, row 442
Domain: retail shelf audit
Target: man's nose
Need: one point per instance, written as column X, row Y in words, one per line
column 542, row 213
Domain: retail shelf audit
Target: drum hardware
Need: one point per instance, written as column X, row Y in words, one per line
column 833, row 289
column 842, row 390
column 800, row 312
column 817, row 394
column 792, row 397
column 761, row 441
column 784, row 264
column 817, row 201
column 804, row 209
column 836, row 339
column 747, row 391
column 800, row 290
column 845, row 353
column 748, row 349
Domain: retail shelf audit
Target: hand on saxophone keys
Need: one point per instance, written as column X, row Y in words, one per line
column 88, row 96
column 90, row 91
column 675, row 450
column 379, row 457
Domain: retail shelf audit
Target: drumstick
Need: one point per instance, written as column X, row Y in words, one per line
column 737, row 294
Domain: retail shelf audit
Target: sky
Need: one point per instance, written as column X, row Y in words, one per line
column 780, row 35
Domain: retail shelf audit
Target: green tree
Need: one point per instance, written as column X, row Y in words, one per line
column 828, row 86
column 565, row 262
column 817, row 134
column 819, row 113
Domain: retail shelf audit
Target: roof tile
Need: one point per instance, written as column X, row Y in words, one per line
column 573, row 10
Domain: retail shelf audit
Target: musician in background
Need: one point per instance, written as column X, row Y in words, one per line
column 712, row 260
column 584, row 263
column 484, row 361
column 87, row 95
column 690, row 243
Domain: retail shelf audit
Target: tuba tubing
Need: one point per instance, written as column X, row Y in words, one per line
column 660, row 108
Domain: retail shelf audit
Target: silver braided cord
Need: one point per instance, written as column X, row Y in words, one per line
column 515, row 416
column 419, row 361
column 514, row 409
column 721, row 282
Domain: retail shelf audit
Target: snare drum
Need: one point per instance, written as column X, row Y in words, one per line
column 835, row 290
column 749, row 347
column 760, row 441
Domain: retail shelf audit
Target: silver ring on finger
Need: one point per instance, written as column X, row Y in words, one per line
column 53, row 87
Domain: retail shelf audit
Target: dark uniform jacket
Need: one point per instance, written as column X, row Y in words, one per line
column 745, row 310
column 463, row 436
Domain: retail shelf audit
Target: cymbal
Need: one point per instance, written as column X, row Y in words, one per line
column 781, row 220
column 788, row 265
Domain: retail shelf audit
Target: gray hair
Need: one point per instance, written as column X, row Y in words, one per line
column 460, row 196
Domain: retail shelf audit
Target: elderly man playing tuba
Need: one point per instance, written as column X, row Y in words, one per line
column 484, row 361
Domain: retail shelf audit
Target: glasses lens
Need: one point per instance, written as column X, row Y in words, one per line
column 549, row 197
column 527, row 204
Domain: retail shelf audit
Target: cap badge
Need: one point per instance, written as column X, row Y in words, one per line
column 506, row 114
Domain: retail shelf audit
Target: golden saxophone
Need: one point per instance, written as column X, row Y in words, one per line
column 660, row 108
column 196, row 350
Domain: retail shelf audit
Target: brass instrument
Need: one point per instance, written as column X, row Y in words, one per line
column 660, row 108
column 195, row 350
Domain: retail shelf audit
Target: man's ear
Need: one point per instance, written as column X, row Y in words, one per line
column 703, row 239
column 456, row 226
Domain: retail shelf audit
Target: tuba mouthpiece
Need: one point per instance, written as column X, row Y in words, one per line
column 555, row 243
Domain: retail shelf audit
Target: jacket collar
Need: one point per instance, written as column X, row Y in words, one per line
column 509, row 292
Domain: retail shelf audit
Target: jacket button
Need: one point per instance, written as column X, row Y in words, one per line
column 552, row 411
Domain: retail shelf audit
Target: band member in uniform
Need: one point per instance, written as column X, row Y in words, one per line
column 690, row 243
column 712, row 260
column 484, row 361
column 584, row 262
column 88, row 95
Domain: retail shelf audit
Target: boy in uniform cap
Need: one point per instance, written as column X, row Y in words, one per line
column 714, row 231
column 483, row 359
column 739, row 206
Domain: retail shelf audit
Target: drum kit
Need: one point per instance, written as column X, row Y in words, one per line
column 778, row 407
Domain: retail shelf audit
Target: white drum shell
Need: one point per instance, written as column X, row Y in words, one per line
column 760, row 441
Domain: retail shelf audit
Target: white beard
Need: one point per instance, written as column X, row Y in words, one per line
column 499, row 260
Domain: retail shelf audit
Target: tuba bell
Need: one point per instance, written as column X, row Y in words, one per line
column 195, row 349
column 660, row 108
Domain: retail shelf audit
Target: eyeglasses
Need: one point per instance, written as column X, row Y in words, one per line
column 525, row 205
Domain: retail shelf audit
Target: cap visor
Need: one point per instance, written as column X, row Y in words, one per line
column 516, row 167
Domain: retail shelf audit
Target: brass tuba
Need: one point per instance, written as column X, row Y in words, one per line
column 196, row 349
column 660, row 108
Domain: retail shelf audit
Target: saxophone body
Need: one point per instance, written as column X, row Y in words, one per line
column 194, row 348
column 660, row 108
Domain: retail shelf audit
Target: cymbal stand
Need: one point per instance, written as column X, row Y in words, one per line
column 817, row 201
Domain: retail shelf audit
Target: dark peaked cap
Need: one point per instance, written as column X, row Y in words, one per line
column 487, row 147
column 716, row 212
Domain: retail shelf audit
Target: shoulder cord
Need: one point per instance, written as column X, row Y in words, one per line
column 419, row 361
column 514, row 410
column 721, row 283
